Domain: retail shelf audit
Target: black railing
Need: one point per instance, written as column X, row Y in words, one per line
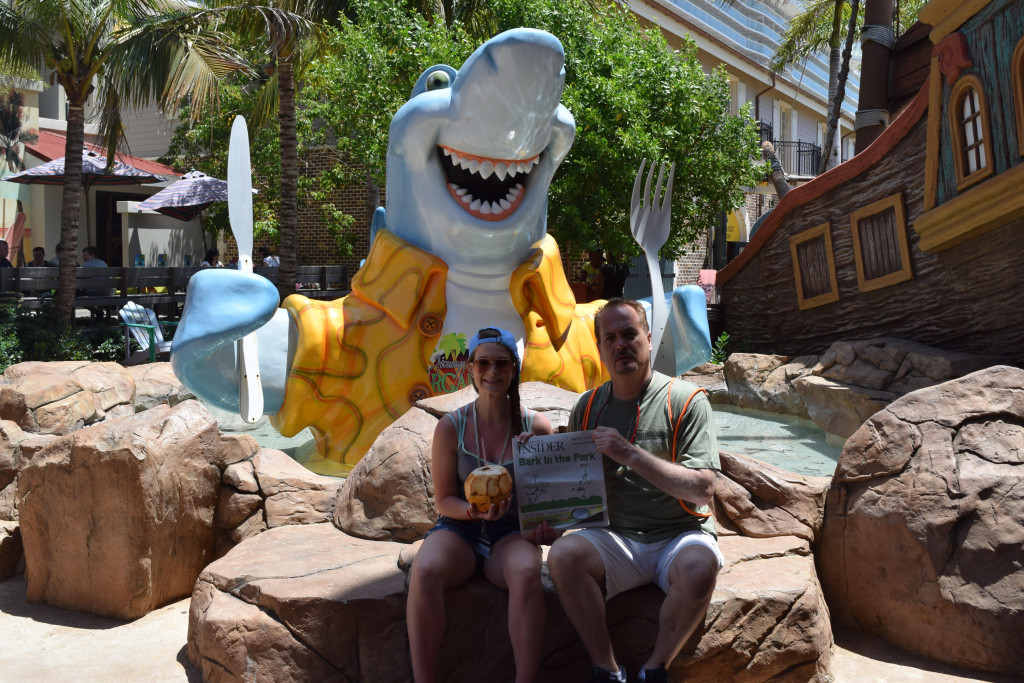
column 798, row 158
column 115, row 286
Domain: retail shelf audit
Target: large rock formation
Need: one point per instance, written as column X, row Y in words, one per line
column 10, row 549
column 117, row 518
column 61, row 397
column 312, row 603
column 839, row 390
column 268, row 489
column 17, row 448
column 762, row 501
column 155, row 383
column 389, row 495
column 923, row 541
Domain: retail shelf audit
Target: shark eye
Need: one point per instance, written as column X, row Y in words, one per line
column 438, row 80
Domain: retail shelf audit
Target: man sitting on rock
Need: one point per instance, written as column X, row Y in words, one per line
column 660, row 456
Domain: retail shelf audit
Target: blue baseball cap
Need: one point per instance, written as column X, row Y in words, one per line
column 495, row 335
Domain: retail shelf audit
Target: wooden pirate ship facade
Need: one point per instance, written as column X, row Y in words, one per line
column 921, row 235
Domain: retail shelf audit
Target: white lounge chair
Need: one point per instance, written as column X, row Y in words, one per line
column 143, row 324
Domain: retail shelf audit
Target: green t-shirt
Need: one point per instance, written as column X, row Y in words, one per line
column 636, row 508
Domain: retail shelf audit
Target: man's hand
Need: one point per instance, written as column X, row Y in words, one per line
column 543, row 534
column 611, row 443
column 695, row 485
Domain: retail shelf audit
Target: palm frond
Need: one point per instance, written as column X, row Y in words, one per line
column 809, row 32
column 170, row 58
column 265, row 104
column 111, row 124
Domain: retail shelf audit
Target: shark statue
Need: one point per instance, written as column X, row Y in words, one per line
column 462, row 244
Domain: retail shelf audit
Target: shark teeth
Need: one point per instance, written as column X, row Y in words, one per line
column 494, row 210
column 484, row 166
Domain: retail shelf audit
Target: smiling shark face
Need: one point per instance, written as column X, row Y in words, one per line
column 472, row 154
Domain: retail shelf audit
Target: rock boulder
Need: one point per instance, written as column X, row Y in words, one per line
column 61, row 397
column 763, row 501
column 923, row 541
column 117, row 518
column 155, row 383
column 10, row 549
column 310, row 602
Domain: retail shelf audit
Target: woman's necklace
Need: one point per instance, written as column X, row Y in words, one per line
column 481, row 454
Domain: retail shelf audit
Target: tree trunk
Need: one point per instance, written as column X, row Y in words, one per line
column 837, row 101
column 70, row 212
column 835, row 58
column 288, row 213
column 775, row 170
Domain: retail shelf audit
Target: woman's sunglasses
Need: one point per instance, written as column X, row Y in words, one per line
column 500, row 364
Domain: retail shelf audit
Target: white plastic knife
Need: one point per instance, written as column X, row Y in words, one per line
column 250, row 390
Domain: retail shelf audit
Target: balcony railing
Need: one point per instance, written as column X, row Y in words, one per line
column 798, row 158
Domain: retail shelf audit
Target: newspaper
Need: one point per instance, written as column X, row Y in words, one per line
column 560, row 480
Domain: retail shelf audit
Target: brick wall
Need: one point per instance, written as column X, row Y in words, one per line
column 315, row 245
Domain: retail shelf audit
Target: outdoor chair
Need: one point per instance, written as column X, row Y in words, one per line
column 142, row 324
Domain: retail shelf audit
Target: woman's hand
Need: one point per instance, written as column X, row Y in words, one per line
column 544, row 534
column 496, row 511
column 523, row 437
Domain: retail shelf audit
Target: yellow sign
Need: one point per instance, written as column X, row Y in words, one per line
column 736, row 226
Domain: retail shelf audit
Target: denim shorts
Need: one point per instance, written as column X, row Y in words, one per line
column 469, row 530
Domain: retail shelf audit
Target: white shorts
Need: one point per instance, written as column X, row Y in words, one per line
column 629, row 563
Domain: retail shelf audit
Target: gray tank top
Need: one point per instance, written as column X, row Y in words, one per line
column 468, row 460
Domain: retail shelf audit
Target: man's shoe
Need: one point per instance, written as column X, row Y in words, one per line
column 605, row 676
column 659, row 675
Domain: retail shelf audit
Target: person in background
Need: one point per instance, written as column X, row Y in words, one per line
column 269, row 259
column 212, row 260
column 612, row 277
column 38, row 258
column 5, row 249
column 657, row 438
column 55, row 261
column 91, row 259
column 592, row 272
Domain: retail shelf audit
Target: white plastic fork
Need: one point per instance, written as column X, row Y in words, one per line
column 650, row 224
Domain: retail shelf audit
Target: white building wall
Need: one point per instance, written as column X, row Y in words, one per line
column 148, row 132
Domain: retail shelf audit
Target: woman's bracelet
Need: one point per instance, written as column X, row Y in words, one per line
column 469, row 513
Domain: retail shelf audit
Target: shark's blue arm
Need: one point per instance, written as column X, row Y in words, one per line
column 221, row 307
column 689, row 343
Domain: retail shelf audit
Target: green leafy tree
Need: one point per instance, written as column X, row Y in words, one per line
column 632, row 97
column 202, row 144
column 127, row 52
column 352, row 92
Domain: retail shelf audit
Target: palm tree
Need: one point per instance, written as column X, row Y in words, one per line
column 126, row 52
column 288, row 44
column 13, row 135
column 819, row 26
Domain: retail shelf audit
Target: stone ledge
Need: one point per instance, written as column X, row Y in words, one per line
column 303, row 602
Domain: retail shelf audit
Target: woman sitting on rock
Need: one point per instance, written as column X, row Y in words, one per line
column 478, row 434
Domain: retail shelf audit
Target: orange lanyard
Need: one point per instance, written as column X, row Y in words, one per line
column 675, row 430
